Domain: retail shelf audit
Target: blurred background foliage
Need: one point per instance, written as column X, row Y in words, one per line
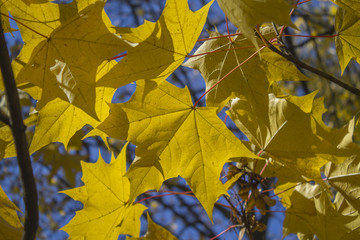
column 56, row 169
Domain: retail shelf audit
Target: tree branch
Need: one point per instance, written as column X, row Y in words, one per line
column 320, row 73
column 18, row 130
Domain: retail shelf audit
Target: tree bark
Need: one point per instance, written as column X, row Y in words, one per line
column 18, row 130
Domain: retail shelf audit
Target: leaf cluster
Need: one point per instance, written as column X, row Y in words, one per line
column 74, row 59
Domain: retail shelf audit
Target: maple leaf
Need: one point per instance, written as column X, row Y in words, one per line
column 69, row 163
column 311, row 212
column 7, row 145
column 246, row 14
column 173, row 138
column 293, row 134
column 43, row 18
column 59, row 120
column 107, row 212
column 155, row 231
column 4, row 20
column 160, row 47
column 10, row 226
column 349, row 5
column 347, row 43
column 66, row 54
column 250, row 81
column 345, row 178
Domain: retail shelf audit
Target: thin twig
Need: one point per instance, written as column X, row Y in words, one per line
column 18, row 130
column 242, row 216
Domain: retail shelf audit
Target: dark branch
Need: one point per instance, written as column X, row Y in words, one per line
column 320, row 73
column 18, row 130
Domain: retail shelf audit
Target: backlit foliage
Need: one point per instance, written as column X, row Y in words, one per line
column 68, row 64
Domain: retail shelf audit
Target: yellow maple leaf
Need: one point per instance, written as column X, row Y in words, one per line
column 10, row 226
column 63, row 54
column 69, row 163
column 42, row 18
column 345, row 178
column 311, row 212
column 246, row 14
column 4, row 20
column 251, row 81
column 154, row 232
column 349, row 5
column 347, row 43
column 59, row 120
column 292, row 133
column 7, row 144
column 173, row 139
column 160, row 47
column 105, row 195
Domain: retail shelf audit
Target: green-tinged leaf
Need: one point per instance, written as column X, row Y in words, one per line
column 285, row 191
column 105, row 195
column 173, row 139
column 291, row 134
column 312, row 213
column 160, row 47
column 7, row 145
column 282, row 172
column 357, row 130
column 251, row 81
column 10, row 226
column 231, row 181
column 64, row 61
column 155, row 232
column 347, row 42
column 342, row 205
column 345, row 178
column 349, row 5
column 246, row 14
column 69, row 163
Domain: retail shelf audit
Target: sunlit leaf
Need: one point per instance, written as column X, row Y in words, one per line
column 313, row 213
column 246, row 14
column 349, row 5
column 173, row 139
column 251, row 81
column 345, row 178
column 347, row 43
column 105, row 195
column 160, row 47
column 59, row 120
column 65, row 54
column 10, row 226
column 292, row 133
column 155, row 232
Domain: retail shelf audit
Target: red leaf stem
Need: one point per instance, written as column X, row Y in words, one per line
column 216, row 51
column 231, row 227
column 246, row 60
column 309, row 36
column 222, row 36
column 18, row 22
